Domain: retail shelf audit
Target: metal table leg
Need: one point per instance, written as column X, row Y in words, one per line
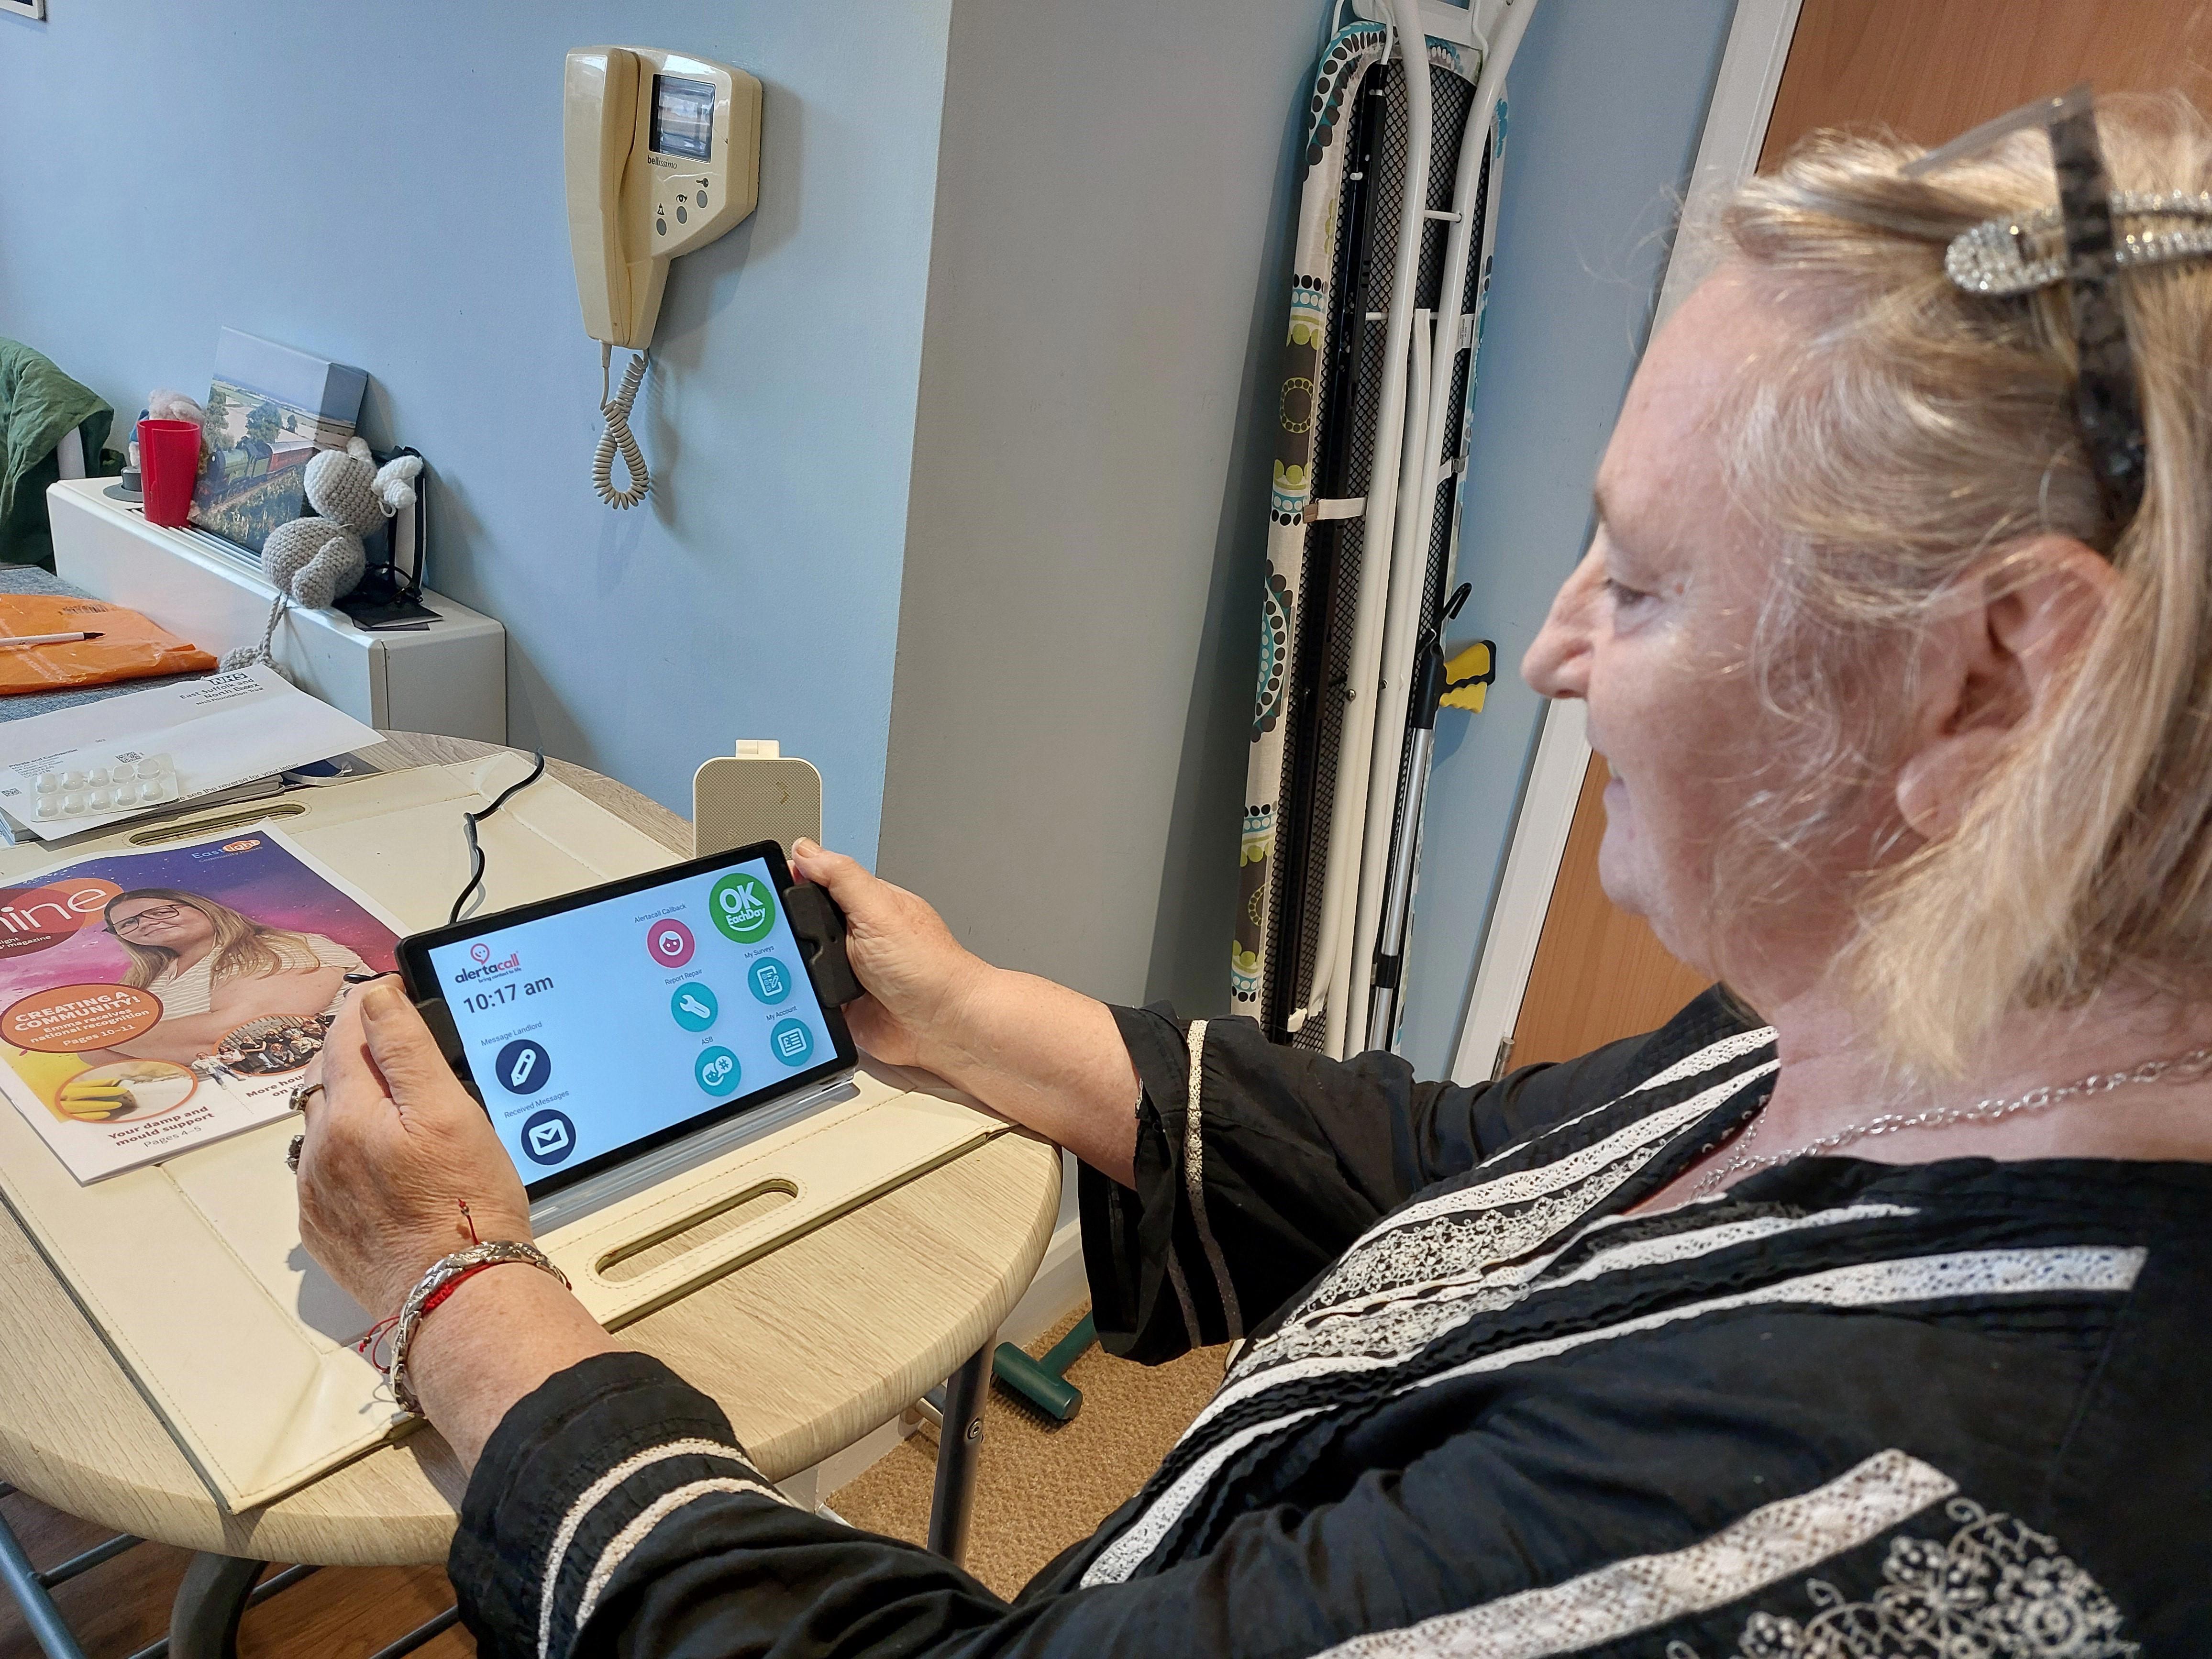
column 23, row 1582
column 959, row 1439
column 203, row 1622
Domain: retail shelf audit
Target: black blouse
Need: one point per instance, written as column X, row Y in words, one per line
column 1845, row 1411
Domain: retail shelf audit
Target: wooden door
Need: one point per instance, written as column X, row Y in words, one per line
column 1926, row 70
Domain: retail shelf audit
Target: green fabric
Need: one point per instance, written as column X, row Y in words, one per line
column 39, row 404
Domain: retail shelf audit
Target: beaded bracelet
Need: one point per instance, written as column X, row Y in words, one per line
column 432, row 1288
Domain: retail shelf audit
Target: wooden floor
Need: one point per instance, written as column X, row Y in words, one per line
column 117, row 1608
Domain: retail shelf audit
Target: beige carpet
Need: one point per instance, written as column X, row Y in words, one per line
column 1042, row 1485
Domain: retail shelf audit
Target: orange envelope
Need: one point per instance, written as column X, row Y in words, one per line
column 131, row 648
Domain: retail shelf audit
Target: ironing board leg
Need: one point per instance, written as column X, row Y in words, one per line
column 203, row 1620
column 959, row 1440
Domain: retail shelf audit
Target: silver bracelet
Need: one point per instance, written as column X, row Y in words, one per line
column 443, row 1272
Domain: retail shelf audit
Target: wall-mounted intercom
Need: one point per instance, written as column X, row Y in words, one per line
column 662, row 157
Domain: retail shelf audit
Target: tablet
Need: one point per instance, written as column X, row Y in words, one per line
column 598, row 1025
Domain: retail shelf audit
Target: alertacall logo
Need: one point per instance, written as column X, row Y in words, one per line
column 486, row 967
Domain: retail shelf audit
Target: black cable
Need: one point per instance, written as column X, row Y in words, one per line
column 469, row 822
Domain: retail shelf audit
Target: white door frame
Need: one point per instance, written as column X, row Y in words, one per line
column 1728, row 153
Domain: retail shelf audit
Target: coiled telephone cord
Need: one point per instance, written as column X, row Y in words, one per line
column 617, row 436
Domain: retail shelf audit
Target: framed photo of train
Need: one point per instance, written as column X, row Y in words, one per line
column 270, row 409
column 33, row 10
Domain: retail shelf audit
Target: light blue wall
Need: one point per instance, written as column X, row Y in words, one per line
column 382, row 184
column 1607, row 104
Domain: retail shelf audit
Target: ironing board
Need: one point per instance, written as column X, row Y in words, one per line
column 807, row 1348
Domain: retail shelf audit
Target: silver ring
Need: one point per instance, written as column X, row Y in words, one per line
column 300, row 1092
column 292, row 1152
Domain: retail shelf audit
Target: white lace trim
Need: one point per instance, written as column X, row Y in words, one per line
column 1193, row 1177
column 623, row 1543
column 1713, row 1054
column 1913, row 1279
column 1122, row 1557
column 1615, row 1602
column 1380, row 1336
column 589, row 1499
column 1867, row 1284
column 1996, row 1587
column 1524, row 1184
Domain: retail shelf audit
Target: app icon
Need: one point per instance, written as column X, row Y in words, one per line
column 717, row 1070
column 524, row 1068
column 742, row 908
column 548, row 1137
column 770, row 980
column 693, row 1006
column 669, row 942
column 791, row 1041
column 481, row 951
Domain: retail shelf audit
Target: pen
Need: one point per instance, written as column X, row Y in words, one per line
column 44, row 639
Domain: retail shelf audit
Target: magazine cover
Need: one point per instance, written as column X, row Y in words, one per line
column 270, row 409
column 151, row 1002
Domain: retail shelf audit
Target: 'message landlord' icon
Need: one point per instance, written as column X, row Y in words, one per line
column 524, row 1068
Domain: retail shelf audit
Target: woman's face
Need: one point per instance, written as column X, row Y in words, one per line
column 1654, row 630
column 161, row 923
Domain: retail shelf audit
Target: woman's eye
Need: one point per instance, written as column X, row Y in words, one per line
column 1622, row 594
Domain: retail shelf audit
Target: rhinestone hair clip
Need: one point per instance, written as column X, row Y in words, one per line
column 2002, row 256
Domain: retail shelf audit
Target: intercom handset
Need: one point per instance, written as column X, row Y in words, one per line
column 662, row 155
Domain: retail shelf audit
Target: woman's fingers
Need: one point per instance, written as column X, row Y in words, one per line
column 405, row 1053
column 350, row 1084
column 849, row 883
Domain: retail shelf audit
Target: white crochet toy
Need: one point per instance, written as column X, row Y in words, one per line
column 317, row 561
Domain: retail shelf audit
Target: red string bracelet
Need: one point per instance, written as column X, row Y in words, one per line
column 383, row 1327
column 367, row 1346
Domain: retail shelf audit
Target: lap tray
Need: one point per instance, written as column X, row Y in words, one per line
column 192, row 1271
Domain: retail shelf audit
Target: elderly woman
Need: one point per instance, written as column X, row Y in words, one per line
column 1864, row 1325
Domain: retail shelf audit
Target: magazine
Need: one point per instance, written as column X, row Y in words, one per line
column 152, row 1002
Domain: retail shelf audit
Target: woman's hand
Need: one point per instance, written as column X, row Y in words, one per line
column 1044, row 1055
column 393, row 1145
column 918, row 976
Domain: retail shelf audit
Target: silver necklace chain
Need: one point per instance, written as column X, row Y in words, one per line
column 2194, row 1063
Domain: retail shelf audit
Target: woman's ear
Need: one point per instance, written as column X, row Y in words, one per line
column 1991, row 664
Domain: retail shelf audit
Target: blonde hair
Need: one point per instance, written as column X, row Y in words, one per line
column 242, row 945
column 1922, row 435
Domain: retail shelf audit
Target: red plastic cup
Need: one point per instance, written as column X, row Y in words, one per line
column 168, row 462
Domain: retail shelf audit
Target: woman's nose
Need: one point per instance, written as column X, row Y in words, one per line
column 1557, row 662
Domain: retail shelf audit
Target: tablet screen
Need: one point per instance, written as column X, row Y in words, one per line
column 632, row 1013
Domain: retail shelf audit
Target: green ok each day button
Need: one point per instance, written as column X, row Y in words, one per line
column 693, row 1006
column 742, row 908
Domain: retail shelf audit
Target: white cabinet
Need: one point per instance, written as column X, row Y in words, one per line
column 449, row 678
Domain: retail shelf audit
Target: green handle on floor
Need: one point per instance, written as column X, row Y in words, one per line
column 1043, row 1381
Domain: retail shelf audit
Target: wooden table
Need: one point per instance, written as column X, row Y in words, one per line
column 807, row 1349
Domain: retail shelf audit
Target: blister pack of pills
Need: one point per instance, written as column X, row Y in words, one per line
column 124, row 783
